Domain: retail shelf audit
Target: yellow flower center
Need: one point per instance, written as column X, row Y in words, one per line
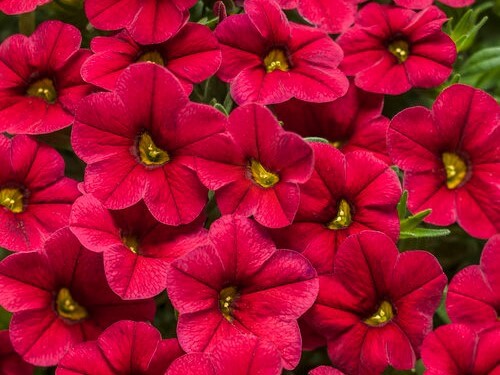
column 12, row 199
column 400, row 49
column 149, row 153
column 276, row 59
column 343, row 218
column 131, row 242
column 262, row 176
column 227, row 296
column 44, row 89
column 68, row 308
column 152, row 57
column 337, row 144
column 456, row 169
column 383, row 315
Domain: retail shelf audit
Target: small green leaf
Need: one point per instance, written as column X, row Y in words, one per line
column 402, row 205
column 228, row 102
column 221, row 108
column 441, row 310
column 482, row 61
column 424, row 233
column 413, row 221
column 317, row 139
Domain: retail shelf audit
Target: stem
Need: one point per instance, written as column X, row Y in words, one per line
column 27, row 23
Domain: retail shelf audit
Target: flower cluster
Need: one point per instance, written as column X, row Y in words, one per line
column 200, row 195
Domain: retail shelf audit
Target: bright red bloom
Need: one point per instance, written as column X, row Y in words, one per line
column 240, row 283
column 18, row 7
column 325, row 370
column 59, row 298
column 239, row 355
column 123, row 348
column 148, row 21
column 10, row 362
column 390, row 50
column 459, row 350
column 474, row 292
column 377, row 306
column 40, row 82
column 139, row 144
column 451, row 159
column 345, row 195
column 136, row 248
column 192, row 55
column 352, row 122
column 267, row 59
column 258, row 172
column 421, row 4
column 35, row 197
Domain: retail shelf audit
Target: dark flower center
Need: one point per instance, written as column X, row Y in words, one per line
column 44, row 89
column 343, row 218
column 383, row 315
column 131, row 242
column 262, row 176
column 456, row 169
column 12, row 199
column 400, row 49
column 68, row 308
column 276, row 59
column 149, row 153
column 227, row 297
column 153, row 57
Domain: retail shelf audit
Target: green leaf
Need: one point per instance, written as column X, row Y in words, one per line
column 467, row 27
column 423, row 233
column 402, row 205
column 441, row 310
column 317, row 139
column 483, row 61
column 221, row 108
column 228, row 102
column 413, row 221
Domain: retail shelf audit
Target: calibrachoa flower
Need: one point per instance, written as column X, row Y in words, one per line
column 421, row 4
column 18, row 7
column 139, row 142
column 451, row 159
column 345, row 195
column 10, row 362
column 60, row 298
column 192, row 55
column 240, row 283
column 258, row 174
column 123, row 348
column 148, row 21
column 474, row 292
column 267, row 59
column 377, row 306
column 459, row 350
column 390, row 50
column 352, row 122
column 40, row 82
column 136, row 248
column 239, row 355
column 35, row 197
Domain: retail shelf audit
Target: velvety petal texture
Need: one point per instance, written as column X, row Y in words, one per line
column 56, row 304
column 240, row 283
column 267, row 59
column 40, row 82
column 451, row 159
column 18, row 7
column 35, row 196
column 389, row 49
column 139, row 142
column 10, row 362
column 377, row 306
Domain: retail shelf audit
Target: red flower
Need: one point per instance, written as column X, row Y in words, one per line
column 125, row 347
column 10, row 362
column 35, row 197
column 268, row 60
column 148, row 21
column 377, row 307
column 457, row 349
column 258, row 174
column 421, row 4
column 345, row 195
column 139, row 144
column 136, row 248
column 240, row 283
column 390, row 50
column 192, row 55
column 59, row 298
column 17, row 7
column 325, row 370
column 239, row 355
column 40, row 82
column 474, row 292
column 451, row 159
column 353, row 122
